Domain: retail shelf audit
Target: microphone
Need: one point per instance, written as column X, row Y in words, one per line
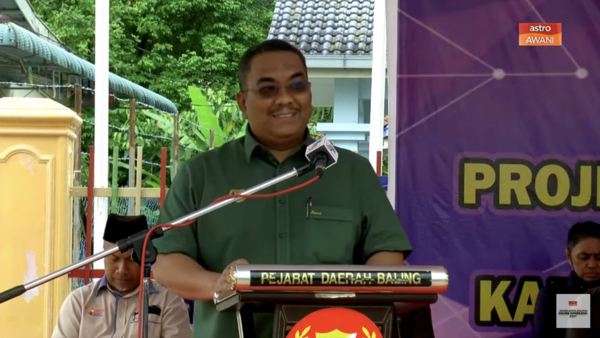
column 322, row 154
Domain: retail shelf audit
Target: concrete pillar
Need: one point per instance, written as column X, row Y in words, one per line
column 345, row 107
column 37, row 140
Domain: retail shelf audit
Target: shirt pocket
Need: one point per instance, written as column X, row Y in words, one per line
column 154, row 326
column 152, row 318
column 330, row 235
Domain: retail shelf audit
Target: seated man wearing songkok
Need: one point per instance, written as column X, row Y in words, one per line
column 109, row 307
column 583, row 254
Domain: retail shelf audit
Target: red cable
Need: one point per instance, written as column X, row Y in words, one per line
column 222, row 198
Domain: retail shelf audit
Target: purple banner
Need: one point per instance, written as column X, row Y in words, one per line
column 497, row 150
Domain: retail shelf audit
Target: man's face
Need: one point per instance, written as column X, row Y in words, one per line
column 276, row 100
column 585, row 259
column 122, row 272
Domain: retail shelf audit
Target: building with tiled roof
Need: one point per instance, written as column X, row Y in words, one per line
column 336, row 38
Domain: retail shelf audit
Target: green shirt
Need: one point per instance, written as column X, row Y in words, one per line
column 350, row 219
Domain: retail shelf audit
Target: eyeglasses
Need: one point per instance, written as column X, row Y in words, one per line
column 271, row 91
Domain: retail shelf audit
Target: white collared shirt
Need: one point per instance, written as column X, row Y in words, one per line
column 96, row 311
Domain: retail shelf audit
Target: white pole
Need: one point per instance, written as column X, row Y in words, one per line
column 101, row 93
column 392, row 56
column 377, row 83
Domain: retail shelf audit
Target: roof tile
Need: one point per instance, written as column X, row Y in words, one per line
column 325, row 27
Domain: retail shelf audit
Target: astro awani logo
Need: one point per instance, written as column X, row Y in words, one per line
column 335, row 323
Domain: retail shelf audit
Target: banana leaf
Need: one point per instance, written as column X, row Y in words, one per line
column 206, row 119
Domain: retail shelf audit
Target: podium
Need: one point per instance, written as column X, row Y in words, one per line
column 382, row 294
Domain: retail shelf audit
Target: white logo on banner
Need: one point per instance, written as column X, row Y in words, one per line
column 573, row 311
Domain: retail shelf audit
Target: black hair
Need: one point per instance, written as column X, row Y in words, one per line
column 265, row 47
column 582, row 230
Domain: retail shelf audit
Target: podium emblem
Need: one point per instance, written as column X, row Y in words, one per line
column 335, row 323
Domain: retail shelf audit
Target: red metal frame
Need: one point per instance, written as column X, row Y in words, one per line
column 90, row 208
column 87, row 273
column 163, row 174
column 95, row 274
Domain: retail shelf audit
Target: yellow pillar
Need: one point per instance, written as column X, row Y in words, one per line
column 37, row 137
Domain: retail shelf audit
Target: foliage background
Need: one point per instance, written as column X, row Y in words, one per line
column 166, row 46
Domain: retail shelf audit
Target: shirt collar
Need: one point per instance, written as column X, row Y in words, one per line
column 575, row 282
column 250, row 142
column 104, row 284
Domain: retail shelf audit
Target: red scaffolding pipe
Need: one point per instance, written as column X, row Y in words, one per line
column 90, row 206
column 163, row 174
column 87, row 273
column 82, row 273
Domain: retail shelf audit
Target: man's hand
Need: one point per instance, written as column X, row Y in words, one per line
column 224, row 281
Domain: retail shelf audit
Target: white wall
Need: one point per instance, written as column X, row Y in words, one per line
column 351, row 105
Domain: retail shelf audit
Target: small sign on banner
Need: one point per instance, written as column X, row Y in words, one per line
column 540, row 34
column 573, row 311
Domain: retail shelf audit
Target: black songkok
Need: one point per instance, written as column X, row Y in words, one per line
column 121, row 227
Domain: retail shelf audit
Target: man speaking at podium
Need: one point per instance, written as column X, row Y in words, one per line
column 343, row 218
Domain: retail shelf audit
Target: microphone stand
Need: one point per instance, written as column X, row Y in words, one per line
column 136, row 243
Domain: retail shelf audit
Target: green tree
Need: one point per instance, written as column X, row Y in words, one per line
column 169, row 46
column 166, row 46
